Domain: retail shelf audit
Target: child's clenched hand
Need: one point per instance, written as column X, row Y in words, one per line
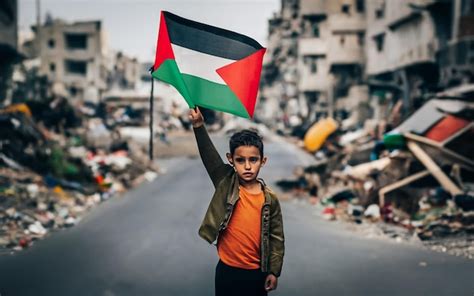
column 271, row 282
column 196, row 117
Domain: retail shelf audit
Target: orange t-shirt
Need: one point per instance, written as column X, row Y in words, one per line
column 239, row 244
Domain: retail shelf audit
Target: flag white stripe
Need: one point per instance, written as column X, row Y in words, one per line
column 199, row 64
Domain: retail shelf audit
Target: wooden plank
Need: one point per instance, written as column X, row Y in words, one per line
column 403, row 182
column 457, row 157
column 424, row 140
column 434, row 169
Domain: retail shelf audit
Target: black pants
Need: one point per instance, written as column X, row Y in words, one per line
column 232, row 281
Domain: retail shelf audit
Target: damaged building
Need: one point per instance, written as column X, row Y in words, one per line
column 9, row 54
column 456, row 51
column 331, row 56
column 73, row 56
column 279, row 82
column 315, row 59
column 356, row 59
column 126, row 71
column 415, row 48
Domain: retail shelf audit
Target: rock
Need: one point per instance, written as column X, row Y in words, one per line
column 33, row 190
column 24, row 242
column 355, row 210
column 465, row 202
column 37, row 228
column 373, row 211
column 11, row 212
column 150, row 176
column 4, row 242
column 329, row 213
column 70, row 221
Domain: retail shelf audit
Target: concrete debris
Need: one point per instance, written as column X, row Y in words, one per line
column 372, row 211
column 58, row 163
column 413, row 177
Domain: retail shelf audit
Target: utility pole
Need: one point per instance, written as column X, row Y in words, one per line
column 330, row 98
column 38, row 12
column 456, row 16
column 38, row 27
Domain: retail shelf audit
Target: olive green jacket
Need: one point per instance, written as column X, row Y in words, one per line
column 225, row 197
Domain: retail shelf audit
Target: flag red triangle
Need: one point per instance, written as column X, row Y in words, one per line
column 243, row 78
column 163, row 45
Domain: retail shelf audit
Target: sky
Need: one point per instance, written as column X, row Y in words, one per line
column 132, row 26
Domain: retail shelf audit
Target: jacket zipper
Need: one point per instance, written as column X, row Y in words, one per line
column 231, row 206
column 263, row 237
column 262, row 244
column 224, row 223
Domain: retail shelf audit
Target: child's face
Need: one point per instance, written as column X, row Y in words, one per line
column 247, row 162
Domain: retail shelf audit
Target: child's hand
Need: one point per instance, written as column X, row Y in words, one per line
column 196, row 117
column 271, row 282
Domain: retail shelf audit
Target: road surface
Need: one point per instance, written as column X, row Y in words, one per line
column 146, row 243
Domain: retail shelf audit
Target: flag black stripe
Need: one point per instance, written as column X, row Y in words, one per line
column 209, row 39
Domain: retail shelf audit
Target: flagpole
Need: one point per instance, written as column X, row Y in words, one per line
column 150, row 146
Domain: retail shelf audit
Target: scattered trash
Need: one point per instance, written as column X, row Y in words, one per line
column 342, row 195
column 465, row 201
column 56, row 164
column 37, row 228
column 329, row 213
column 418, row 176
column 318, row 133
column 373, row 211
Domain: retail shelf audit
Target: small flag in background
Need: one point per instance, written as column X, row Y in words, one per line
column 209, row 66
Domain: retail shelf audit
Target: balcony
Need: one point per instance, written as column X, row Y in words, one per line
column 422, row 53
column 400, row 12
column 80, row 55
column 313, row 82
column 346, row 57
column 344, row 23
column 394, row 24
column 377, row 63
column 456, row 60
column 313, row 8
column 458, row 53
column 345, row 49
column 312, row 46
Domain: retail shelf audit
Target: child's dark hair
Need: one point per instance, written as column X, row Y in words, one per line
column 246, row 137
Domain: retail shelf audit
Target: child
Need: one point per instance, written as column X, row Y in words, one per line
column 244, row 216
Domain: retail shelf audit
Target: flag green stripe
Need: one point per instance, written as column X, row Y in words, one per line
column 199, row 91
column 169, row 72
column 215, row 96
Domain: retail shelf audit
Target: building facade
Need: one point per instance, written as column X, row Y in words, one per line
column 315, row 56
column 278, row 94
column 330, row 53
column 456, row 46
column 73, row 56
column 329, row 58
column 8, row 44
column 401, row 49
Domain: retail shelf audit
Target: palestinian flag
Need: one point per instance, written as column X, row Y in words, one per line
column 210, row 67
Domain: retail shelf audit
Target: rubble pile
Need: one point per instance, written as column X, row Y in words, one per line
column 56, row 163
column 30, row 209
column 419, row 176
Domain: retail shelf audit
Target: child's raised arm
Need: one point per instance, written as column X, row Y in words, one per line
column 213, row 163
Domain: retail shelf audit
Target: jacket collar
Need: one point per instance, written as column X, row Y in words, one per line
column 234, row 195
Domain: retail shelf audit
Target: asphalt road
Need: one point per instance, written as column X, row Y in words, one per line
column 146, row 243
